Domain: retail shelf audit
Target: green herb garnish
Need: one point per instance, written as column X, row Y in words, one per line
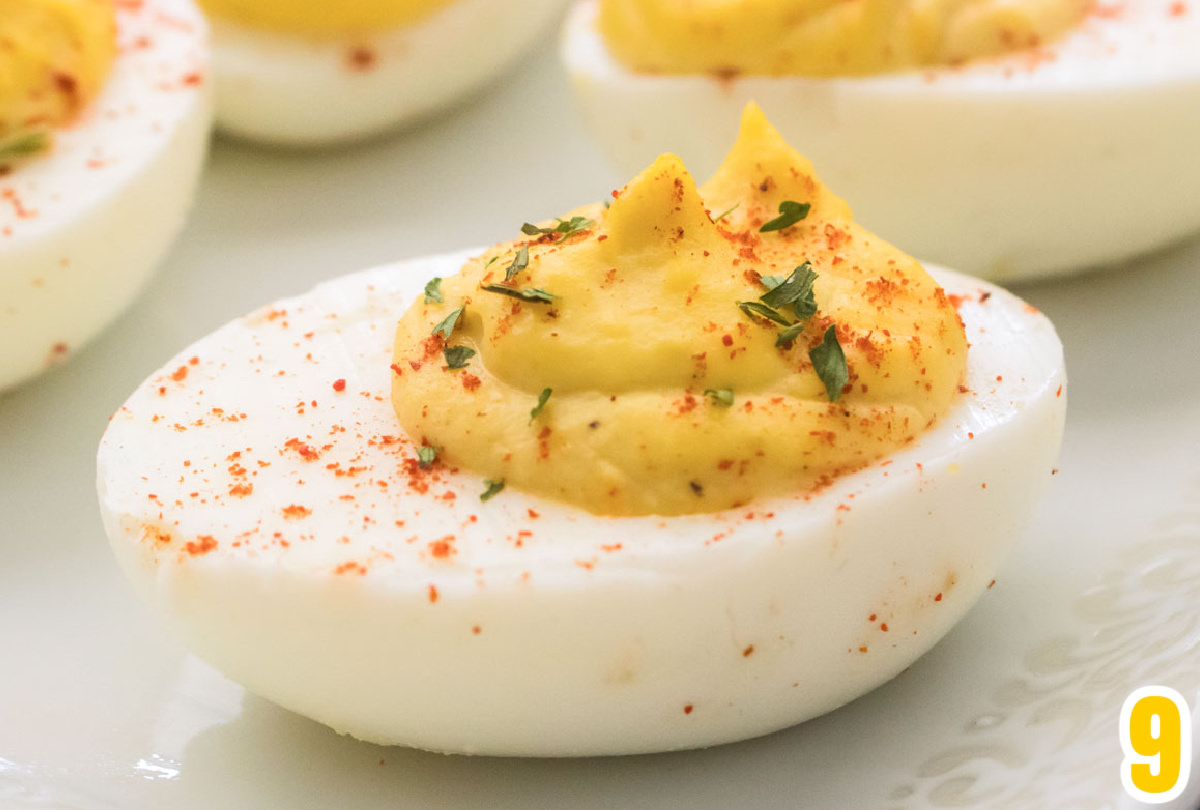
column 726, row 212
column 830, row 363
column 534, row 295
column 493, row 487
column 541, row 403
column 433, row 292
column 796, row 290
column 457, row 356
column 445, row 327
column 752, row 308
column 25, row 145
column 564, row 229
column 720, row 396
column 518, row 264
column 790, row 334
column 425, row 456
column 790, row 212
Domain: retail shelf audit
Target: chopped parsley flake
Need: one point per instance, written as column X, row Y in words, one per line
column 24, row 145
column 720, row 396
column 790, row 334
column 433, row 292
column 726, row 212
column 425, row 456
column 445, row 327
column 565, row 228
column 830, row 363
column 541, row 403
column 534, row 295
column 796, row 290
column 752, row 308
column 518, row 264
column 457, row 356
column 790, row 212
column 493, row 487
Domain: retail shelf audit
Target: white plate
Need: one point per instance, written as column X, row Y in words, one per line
column 1017, row 708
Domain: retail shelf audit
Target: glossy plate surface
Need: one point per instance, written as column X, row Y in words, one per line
column 1017, row 708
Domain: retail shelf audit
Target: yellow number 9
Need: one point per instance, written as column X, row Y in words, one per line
column 1156, row 736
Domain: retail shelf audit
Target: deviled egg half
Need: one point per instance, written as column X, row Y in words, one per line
column 309, row 73
column 1009, row 139
column 679, row 471
column 104, row 120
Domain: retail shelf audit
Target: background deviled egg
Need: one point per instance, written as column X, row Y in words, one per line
column 1074, row 153
column 93, row 187
column 312, row 73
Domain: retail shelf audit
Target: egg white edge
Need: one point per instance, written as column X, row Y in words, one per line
column 595, row 652
column 1009, row 169
column 111, row 197
column 305, row 91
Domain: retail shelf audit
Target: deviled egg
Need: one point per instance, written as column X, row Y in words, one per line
column 310, row 73
column 104, row 118
column 1010, row 140
column 680, row 471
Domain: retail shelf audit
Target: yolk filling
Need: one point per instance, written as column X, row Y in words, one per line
column 824, row 37
column 323, row 18
column 666, row 396
column 55, row 56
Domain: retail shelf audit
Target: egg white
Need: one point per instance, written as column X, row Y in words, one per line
column 1077, row 155
column 83, row 227
column 306, row 91
column 522, row 626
